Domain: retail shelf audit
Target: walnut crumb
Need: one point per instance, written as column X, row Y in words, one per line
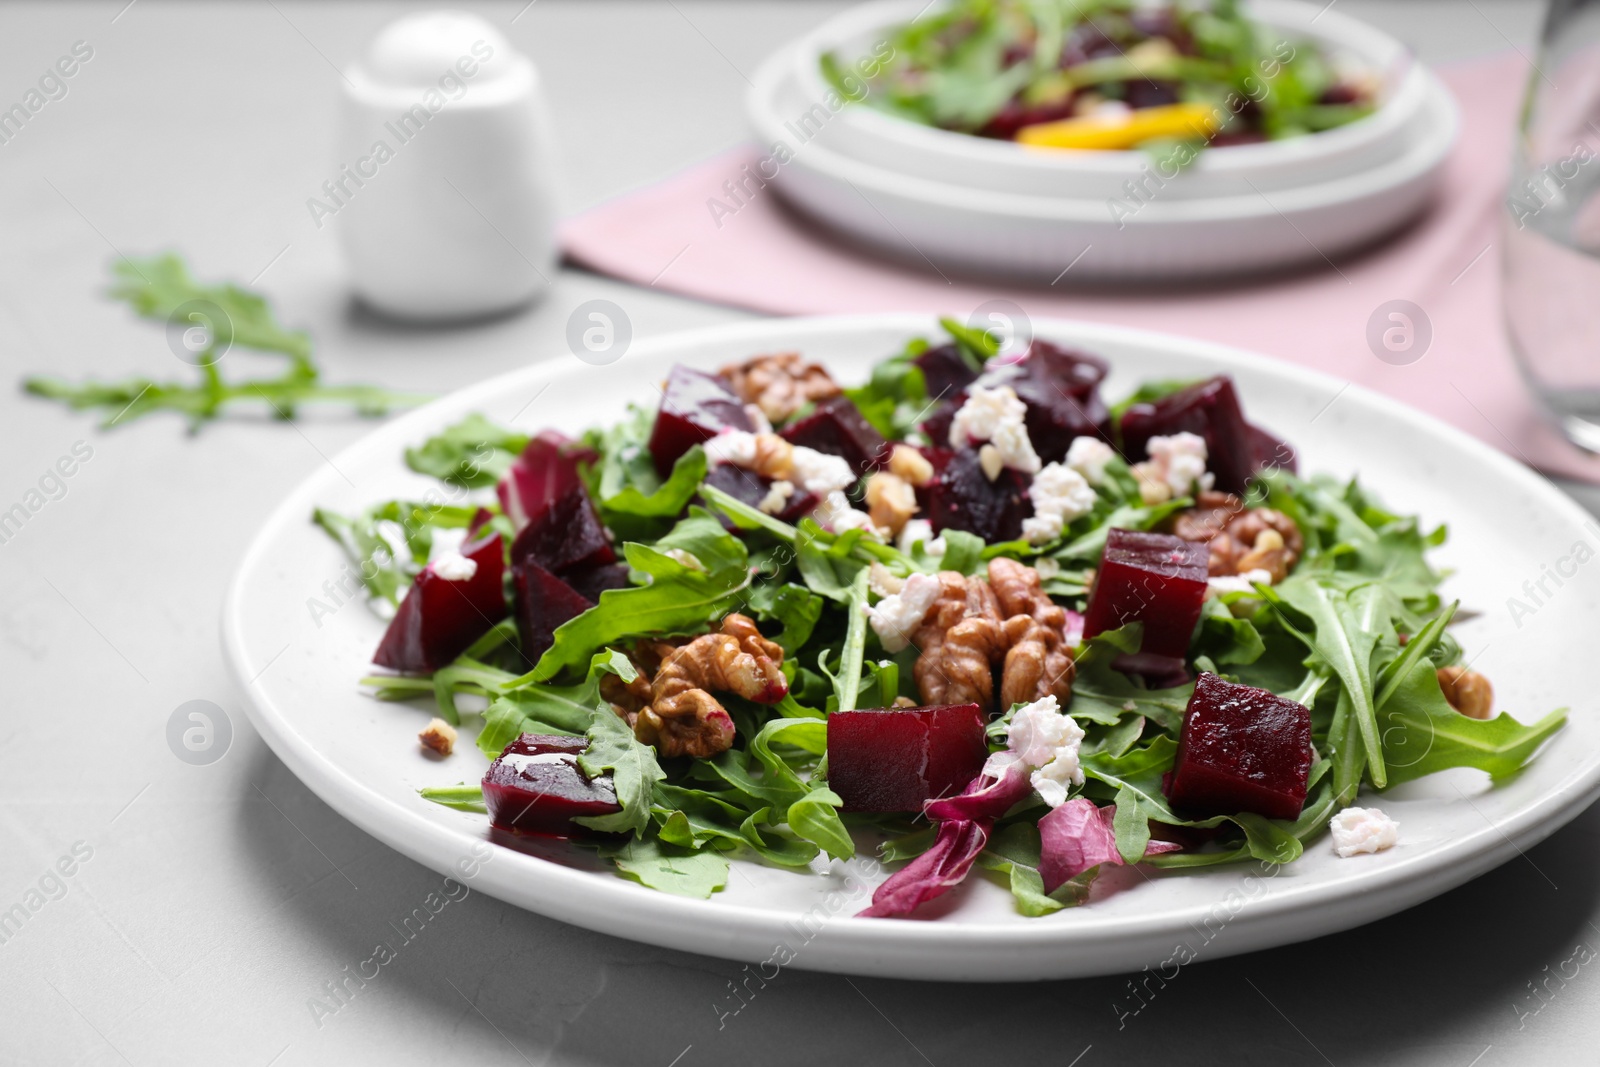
column 439, row 736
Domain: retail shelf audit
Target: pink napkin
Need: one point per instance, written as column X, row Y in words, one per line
column 1448, row 263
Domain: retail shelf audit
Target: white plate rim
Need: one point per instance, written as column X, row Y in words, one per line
column 884, row 946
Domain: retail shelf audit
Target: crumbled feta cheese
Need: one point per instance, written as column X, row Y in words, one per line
column 777, row 497
column 688, row 559
column 454, row 567
column 895, row 618
column 1357, row 830
column 1047, row 567
column 1060, row 495
column 758, row 418
column 1237, row 583
column 731, row 446
column 821, row 473
column 1045, row 740
column 920, row 530
column 1089, row 456
column 996, row 416
column 1177, row 464
column 883, row 581
column 836, row 514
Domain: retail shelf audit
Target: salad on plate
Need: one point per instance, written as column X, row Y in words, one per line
column 1104, row 75
column 967, row 613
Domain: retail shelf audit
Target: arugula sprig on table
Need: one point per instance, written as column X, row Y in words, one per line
column 160, row 288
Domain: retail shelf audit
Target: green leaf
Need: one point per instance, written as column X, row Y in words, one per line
column 666, row 500
column 678, row 600
column 543, row 708
column 473, row 454
column 795, row 606
column 669, row 868
column 634, row 772
column 1013, row 851
column 459, row 797
column 815, row 817
column 1422, row 733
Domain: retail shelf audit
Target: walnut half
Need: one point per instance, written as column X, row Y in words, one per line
column 1241, row 539
column 683, row 718
column 779, row 384
column 1038, row 662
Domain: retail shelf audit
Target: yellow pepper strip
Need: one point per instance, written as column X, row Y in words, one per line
column 1183, row 121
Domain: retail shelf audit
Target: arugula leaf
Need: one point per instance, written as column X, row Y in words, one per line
column 678, row 600
column 541, row 708
column 669, row 868
column 795, row 606
column 1422, row 733
column 472, row 454
column 459, row 797
column 634, row 772
column 1013, row 851
column 159, row 288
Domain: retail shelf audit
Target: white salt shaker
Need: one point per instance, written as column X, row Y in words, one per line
column 444, row 199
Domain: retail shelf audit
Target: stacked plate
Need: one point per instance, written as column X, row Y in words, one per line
column 988, row 207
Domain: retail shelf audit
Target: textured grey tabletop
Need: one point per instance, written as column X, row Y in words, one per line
column 208, row 907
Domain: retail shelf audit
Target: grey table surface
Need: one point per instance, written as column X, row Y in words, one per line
column 208, row 906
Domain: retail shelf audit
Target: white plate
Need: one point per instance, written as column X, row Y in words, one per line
column 993, row 208
column 1506, row 523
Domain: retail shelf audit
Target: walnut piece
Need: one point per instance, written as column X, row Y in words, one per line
column 1467, row 691
column 1241, row 539
column 891, row 501
column 1039, row 661
column 911, row 465
column 779, row 384
column 439, row 736
column 961, row 640
column 683, row 718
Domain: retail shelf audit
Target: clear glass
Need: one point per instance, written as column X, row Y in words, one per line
column 1551, row 231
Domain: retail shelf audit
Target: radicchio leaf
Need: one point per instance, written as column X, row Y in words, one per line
column 546, row 471
column 1078, row 836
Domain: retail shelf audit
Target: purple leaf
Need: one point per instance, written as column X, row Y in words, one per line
column 933, row 872
column 1078, row 836
column 985, row 798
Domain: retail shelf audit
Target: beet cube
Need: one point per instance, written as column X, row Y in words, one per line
column 567, row 533
column 838, row 428
column 898, row 759
column 544, row 601
column 695, row 407
column 945, row 370
column 592, row 579
column 536, row 787
column 439, row 618
column 961, row 497
column 1062, row 391
column 1209, row 409
column 1242, row 749
column 1268, row 451
column 546, row 471
column 750, row 488
column 936, row 426
column 1156, row 579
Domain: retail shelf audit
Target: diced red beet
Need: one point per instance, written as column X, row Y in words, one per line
column 1268, row 451
column 750, row 488
column 838, row 428
column 1156, row 579
column 898, row 759
column 1242, row 749
column 937, row 425
column 566, row 533
column 536, row 787
column 945, row 371
column 592, row 579
column 961, row 496
column 1209, row 409
column 546, row 471
column 439, row 618
column 1062, row 391
column 544, row 601
column 695, row 407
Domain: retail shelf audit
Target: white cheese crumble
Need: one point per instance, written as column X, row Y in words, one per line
column 454, row 567
column 920, row 530
column 1089, row 456
column 836, row 514
column 1176, row 467
column 821, row 473
column 996, row 416
column 1237, row 583
column 1047, row 567
column 1060, row 495
column 882, row 581
column 1045, row 740
column 895, row 618
column 777, row 497
column 1357, row 830
column 737, row 447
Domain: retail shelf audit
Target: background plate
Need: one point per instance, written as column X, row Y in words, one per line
column 1508, row 527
